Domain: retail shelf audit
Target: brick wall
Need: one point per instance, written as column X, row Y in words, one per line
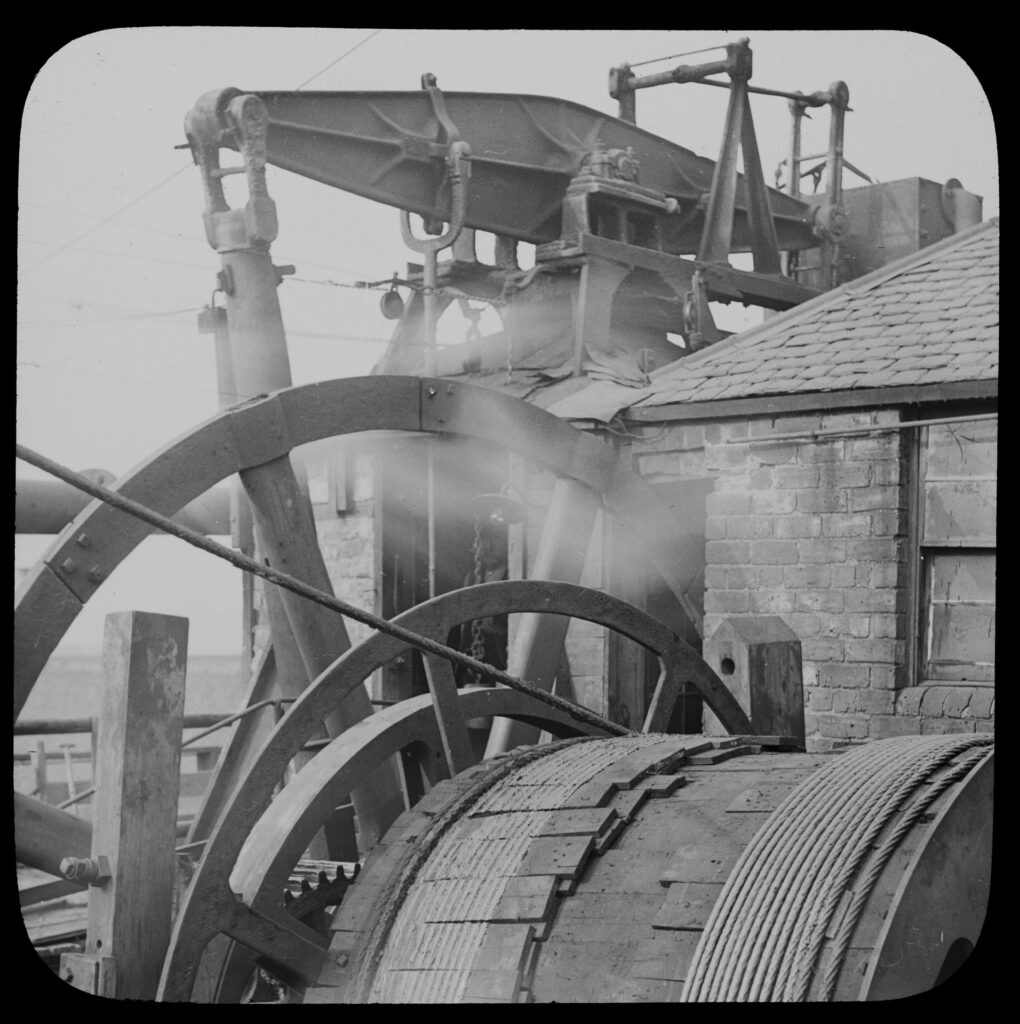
column 815, row 531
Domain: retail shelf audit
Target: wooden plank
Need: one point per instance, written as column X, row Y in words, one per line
column 452, row 728
column 579, row 822
column 135, row 811
column 562, row 856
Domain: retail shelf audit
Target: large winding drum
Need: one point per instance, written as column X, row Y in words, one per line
column 660, row 867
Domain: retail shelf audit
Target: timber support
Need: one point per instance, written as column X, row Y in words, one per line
column 132, row 870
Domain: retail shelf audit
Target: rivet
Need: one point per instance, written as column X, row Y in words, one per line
column 84, row 540
column 432, row 392
column 69, row 565
column 95, row 574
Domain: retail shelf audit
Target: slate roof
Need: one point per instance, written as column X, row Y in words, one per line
column 929, row 318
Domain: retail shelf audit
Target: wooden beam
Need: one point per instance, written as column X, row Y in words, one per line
column 779, row 405
column 137, row 772
column 538, row 639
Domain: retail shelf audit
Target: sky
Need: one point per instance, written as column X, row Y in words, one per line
column 113, row 264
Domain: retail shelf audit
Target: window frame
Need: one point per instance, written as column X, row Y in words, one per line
column 921, row 549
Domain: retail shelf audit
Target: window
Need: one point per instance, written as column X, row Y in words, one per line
column 956, row 515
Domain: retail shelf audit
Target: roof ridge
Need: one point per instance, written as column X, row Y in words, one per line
column 850, row 289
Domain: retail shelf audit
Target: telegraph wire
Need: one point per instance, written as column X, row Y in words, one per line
column 333, row 63
column 106, row 220
column 170, row 177
column 178, row 235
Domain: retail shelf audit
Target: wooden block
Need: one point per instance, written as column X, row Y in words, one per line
column 335, row 970
column 716, row 756
column 773, row 742
column 530, row 885
column 687, row 906
column 527, row 898
column 662, row 785
column 597, row 792
column 498, row 967
column 579, row 822
column 90, row 973
column 606, row 840
column 626, row 804
column 563, row 856
column 566, row 887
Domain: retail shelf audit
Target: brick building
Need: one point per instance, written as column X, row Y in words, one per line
column 876, row 547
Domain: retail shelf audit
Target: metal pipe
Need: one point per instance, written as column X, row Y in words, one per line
column 47, row 506
column 302, row 589
column 887, row 428
column 57, row 726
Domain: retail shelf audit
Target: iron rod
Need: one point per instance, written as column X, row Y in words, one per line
column 56, row 726
column 296, row 586
column 817, row 99
column 870, row 429
column 688, row 53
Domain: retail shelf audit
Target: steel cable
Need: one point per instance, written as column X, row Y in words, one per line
column 864, row 886
column 773, row 879
column 824, row 900
column 764, row 933
column 749, row 900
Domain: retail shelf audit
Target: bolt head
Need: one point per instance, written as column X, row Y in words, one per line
column 95, row 574
column 84, row 540
column 69, row 565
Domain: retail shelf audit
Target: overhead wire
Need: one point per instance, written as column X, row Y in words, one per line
column 170, row 177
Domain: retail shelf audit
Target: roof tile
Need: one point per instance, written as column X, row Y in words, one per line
column 930, row 321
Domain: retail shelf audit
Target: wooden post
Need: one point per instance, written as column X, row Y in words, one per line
column 41, row 779
column 538, row 640
column 137, row 774
column 759, row 658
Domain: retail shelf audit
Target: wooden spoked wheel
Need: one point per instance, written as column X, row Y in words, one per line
column 257, row 432
column 254, row 434
column 238, row 888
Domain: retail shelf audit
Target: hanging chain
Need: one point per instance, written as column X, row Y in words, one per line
column 477, row 650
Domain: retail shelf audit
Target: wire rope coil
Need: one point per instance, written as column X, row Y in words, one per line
column 765, row 932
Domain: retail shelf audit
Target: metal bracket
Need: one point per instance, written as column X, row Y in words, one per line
column 218, row 119
column 458, row 173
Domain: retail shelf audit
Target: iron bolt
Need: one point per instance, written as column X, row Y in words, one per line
column 69, row 565
column 90, row 870
column 342, row 960
column 95, row 574
column 84, row 540
column 432, row 392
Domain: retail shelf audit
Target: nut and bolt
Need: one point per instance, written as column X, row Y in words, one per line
column 69, row 565
column 95, row 574
column 83, row 540
column 89, row 870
